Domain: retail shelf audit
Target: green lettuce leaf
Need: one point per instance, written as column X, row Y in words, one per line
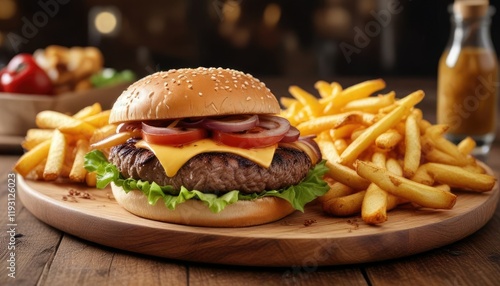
column 298, row 196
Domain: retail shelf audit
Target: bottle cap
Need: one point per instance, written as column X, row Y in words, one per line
column 471, row 8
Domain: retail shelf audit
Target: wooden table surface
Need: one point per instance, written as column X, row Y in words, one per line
column 47, row 256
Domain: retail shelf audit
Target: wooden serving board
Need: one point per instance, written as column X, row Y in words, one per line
column 305, row 239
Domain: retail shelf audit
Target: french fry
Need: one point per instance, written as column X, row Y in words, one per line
column 374, row 205
column 370, row 134
column 336, row 190
column 393, row 166
column 98, row 120
column 88, row 111
column 55, row 157
column 69, row 158
column 388, row 140
column 346, row 176
column 379, row 159
column 91, row 179
column 340, row 145
column 328, row 150
column 103, row 132
column 320, row 124
column 36, row 136
column 306, row 99
column 324, row 88
column 423, row 195
column 32, row 158
column 364, row 89
column 344, row 131
column 436, row 135
column 474, row 168
column 63, row 122
column 370, row 104
column 287, row 102
column 78, row 172
column 467, row 145
column 412, row 146
column 422, row 176
column 457, row 177
column 437, row 156
column 346, row 205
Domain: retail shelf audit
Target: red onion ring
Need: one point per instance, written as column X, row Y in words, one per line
column 171, row 135
column 197, row 123
column 128, row 127
column 291, row 135
column 232, row 123
column 270, row 130
column 309, row 142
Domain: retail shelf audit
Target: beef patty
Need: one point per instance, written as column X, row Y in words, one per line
column 214, row 172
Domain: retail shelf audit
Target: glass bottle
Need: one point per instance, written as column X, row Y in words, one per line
column 468, row 77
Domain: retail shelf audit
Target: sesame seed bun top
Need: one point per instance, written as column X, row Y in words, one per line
column 183, row 93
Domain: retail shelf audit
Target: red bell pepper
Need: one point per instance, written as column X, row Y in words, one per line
column 23, row 75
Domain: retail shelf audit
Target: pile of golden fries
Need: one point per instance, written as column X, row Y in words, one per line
column 381, row 152
column 70, row 69
column 56, row 149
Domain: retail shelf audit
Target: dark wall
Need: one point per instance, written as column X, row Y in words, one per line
column 310, row 38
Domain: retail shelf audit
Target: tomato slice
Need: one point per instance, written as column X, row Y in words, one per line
column 172, row 135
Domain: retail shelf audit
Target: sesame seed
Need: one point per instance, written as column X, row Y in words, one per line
column 190, row 86
column 249, row 98
column 200, row 94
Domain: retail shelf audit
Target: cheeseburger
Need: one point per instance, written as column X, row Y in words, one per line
column 206, row 147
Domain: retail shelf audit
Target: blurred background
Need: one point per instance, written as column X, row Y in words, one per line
column 322, row 38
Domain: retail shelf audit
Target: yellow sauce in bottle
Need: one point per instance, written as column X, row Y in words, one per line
column 467, row 88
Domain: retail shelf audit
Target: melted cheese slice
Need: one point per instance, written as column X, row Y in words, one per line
column 172, row 158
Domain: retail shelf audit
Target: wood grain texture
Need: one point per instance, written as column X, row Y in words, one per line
column 328, row 241
column 33, row 251
column 474, row 258
column 76, row 263
column 296, row 275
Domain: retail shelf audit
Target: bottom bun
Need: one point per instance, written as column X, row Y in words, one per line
column 193, row 212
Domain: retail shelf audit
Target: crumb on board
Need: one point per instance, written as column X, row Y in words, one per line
column 353, row 223
column 309, row 222
column 73, row 195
